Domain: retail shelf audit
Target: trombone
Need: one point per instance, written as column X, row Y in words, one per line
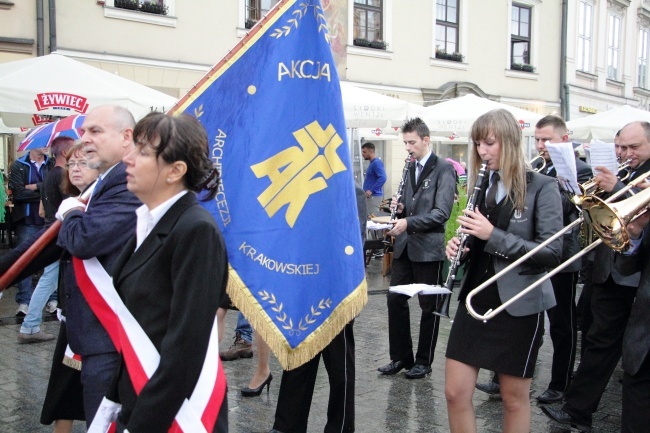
column 590, row 188
column 543, row 166
column 619, row 220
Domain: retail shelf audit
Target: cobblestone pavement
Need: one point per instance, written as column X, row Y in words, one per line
column 383, row 404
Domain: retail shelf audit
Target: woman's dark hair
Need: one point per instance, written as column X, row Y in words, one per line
column 182, row 138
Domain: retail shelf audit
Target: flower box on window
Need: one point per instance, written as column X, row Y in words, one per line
column 154, row 8
column 127, row 4
column 454, row 57
column 378, row 45
column 360, row 42
column 249, row 24
column 522, row 67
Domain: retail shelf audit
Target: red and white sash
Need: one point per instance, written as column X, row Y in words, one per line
column 198, row 414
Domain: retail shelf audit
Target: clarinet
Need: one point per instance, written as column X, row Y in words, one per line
column 442, row 308
column 398, row 194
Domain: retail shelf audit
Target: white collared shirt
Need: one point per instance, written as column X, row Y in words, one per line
column 147, row 219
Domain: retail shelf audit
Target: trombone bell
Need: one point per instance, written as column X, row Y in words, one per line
column 610, row 220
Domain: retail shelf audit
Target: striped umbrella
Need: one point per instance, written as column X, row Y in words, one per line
column 44, row 134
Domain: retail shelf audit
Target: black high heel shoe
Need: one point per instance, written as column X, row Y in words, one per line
column 254, row 392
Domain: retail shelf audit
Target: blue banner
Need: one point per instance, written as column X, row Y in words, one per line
column 286, row 205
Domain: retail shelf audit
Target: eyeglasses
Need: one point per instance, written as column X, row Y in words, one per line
column 80, row 164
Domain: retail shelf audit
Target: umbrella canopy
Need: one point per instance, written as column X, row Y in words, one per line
column 44, row 134
column 365, row 109
column 603, row 126
column 457, row 115
column 58, row 86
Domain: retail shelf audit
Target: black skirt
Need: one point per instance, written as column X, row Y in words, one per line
column 504, row 344
column 64, row 397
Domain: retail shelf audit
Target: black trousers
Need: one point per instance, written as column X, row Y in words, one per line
column 585, row 318
column 564, row 329
column 405, row 271
column 297, row 389
column 611, row 305
column 636, row 400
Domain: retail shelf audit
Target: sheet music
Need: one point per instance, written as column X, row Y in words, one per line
column 414, row 289
column 371, row 225
column 564, row 162
column 602, row 154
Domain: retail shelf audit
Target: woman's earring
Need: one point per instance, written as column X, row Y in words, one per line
column 169, row 180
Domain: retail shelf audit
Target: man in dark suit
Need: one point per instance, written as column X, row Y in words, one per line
column 635, row 417
column 419, row 250
column 562, row 317
column 611, row 301
column 100, row 229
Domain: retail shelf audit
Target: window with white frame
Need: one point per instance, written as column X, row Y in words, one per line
column 368, row 16
column 255, row 10
column 613, row 46
column 447, row 26
column 520, row 31
column 585, row 32
column 642, row 61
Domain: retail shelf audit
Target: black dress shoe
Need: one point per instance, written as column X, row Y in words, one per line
column 490, row 388
column 418, row 371
column 393, row 367
column 550, row 396
column 562, row 417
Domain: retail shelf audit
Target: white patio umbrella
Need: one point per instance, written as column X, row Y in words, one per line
column 457, row 115
column 366, row 109
column 603, row 126
column 58, row 86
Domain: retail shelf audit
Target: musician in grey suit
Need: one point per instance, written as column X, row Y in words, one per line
column 419, row 250
column 518, row 211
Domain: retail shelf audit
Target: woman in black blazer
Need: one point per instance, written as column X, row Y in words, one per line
column 515, row 213
column 172, row 274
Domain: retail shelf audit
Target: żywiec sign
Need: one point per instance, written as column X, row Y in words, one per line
column 61, row 100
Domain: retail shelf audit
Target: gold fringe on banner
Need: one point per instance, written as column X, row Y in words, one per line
column 289, row 358
column 71, row 362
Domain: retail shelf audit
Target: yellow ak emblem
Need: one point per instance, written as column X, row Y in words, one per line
column 294, row 172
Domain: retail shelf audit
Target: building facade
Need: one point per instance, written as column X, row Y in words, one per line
column 422, row 51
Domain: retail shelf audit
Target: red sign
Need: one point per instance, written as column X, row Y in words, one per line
column 61, row 100
column 37, row 119
column 376, row 131
column 523, row 124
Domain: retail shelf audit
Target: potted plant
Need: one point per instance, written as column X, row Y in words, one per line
column 250, row 23
column 361, row 42
column 127, row 4
column 378, row 45
column 154, row 8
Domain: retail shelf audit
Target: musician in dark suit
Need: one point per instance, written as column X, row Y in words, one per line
column 611, row 301
column 99, row 230
column 562, row 317
column 636, row 340
column 419, row 250
column 173, row 273
column 519, row 210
